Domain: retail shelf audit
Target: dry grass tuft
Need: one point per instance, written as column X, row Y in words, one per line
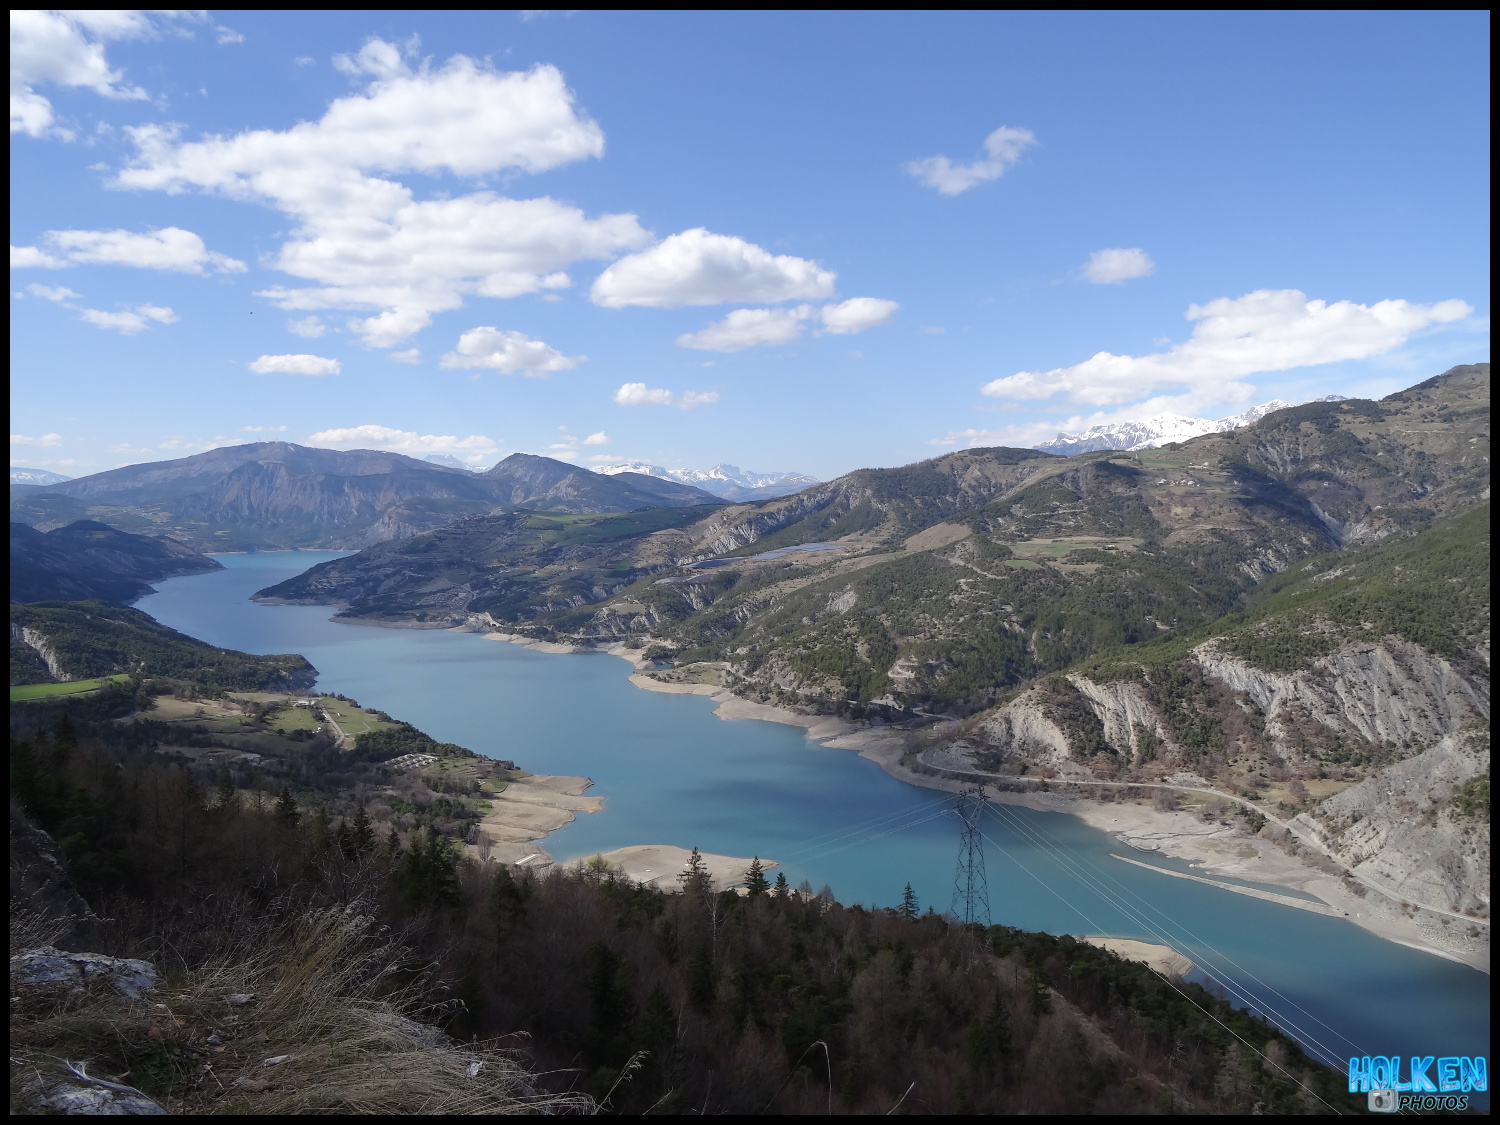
column 309, row 1017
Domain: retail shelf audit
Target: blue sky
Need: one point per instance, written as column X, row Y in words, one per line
column 790, row 241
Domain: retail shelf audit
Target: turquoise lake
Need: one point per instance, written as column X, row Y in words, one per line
column 673, row 773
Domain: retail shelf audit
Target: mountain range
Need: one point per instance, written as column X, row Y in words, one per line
column 277, row 495
column 1152, row 433
column 1295, row 611
column 728, row 481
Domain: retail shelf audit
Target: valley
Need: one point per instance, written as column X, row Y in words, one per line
column 1278, row 614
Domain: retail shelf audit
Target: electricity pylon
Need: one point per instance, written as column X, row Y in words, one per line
column 971, row 892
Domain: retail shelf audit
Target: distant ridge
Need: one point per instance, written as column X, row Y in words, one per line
column 279, row 495
column 729, row 481
column 36, row 476
column 1160, row 430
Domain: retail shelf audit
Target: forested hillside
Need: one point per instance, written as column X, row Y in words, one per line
column 958, row 579
column 62, row 641
column 88, row 560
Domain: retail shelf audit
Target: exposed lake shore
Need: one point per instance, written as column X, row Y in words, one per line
column 1218, row 850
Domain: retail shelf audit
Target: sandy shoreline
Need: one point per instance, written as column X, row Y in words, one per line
column 660, row 865
column 530, row 809
column 1213, row 849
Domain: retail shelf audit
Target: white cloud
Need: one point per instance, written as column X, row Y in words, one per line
column 45, row 439
column 601, row 438
column 48, row 46
column 1110, row 267
column 31, row 258
column 52, row 292
column 510, row 353
column 403, row 441
column 410, row 355
column 228, row 35
column 698, row 267
column 262, row 429
column 64, row 463
column 296, row 365
column 749, row 328
column 362, row 237
column 638, row 394
column 128, row 321
column 170, row 248
column 856, row 314
column 1002, row 149
column 309, row 327
column 1268, row 330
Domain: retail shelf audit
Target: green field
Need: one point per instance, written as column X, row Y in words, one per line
column 293, row 718
column 353, row 721
column 1057, row 548
column 47, row 691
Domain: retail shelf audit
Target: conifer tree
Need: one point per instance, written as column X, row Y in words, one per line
column 361, row 833
column 755, row 879
column 322, row 833
column 286, row 809
column 909, row 906
column 694, row 878
column 227, row 797
column 783, row 888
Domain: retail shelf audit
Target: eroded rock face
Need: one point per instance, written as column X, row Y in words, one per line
column 49, row 968
column 1400, row 828
column 1124, row 711
column 1386, row 691
column 1021, row 729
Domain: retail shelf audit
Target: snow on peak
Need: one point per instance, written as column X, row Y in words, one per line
column 1160, row 430
column 36, row 476
column 729, row 481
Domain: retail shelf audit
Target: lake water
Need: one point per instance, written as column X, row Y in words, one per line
column 673, row 773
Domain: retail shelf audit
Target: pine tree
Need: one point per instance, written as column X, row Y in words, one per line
column 783, row 888
column 361, row 833
column 909, row 906
column 64, row 735
column 755, row 879
column 286, row 809
column 322, row 832
column 694, row 878
column 227, row 798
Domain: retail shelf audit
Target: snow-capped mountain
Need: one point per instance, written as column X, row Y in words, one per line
column 36, row 476
column 728, row 481
column 447, row 461
column 1161, row 430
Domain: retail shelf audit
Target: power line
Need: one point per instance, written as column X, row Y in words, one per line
column 1211, row 1015
column 1217, row 975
